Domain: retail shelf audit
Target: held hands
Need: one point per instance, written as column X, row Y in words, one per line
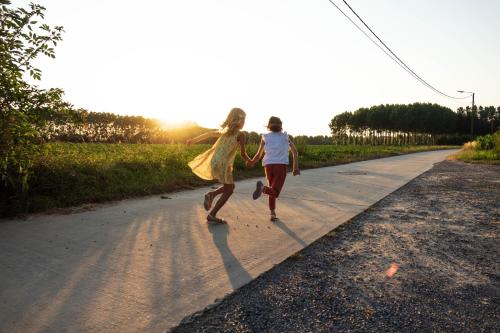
column 296, row 171
column 251, row 162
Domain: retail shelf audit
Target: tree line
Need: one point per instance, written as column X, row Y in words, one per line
column 417, row 123
column 82, row 126
column 98, row 127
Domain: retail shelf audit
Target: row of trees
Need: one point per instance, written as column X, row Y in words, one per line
column 485, row 120
column 418, row 123
column 83, row 126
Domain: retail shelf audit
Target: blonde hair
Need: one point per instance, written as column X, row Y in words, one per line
column 231, row 124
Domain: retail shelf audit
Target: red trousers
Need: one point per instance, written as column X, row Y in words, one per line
column 275, row 174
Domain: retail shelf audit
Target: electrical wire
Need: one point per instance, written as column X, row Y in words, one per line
column 392, row 55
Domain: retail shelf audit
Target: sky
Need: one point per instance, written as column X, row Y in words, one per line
column 299, row 60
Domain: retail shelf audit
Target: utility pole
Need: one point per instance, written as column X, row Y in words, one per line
column 471, row 111
column 472, row 118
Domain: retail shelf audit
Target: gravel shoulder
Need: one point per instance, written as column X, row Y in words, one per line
column 425, row 258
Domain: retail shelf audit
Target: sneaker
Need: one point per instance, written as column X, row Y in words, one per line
column 259, row 187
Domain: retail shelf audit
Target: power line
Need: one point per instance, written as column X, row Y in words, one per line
column 378, row 45
column 393, row 56
column 387, row 47
column 368, row 36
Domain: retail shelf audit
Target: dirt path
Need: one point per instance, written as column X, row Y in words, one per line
column 425, row 258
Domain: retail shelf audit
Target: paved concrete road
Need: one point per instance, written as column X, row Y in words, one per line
column 142, row 265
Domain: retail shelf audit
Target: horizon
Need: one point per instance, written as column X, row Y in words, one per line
column 304, row 63
column 169, row 126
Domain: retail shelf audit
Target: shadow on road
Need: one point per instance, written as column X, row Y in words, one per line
column 279, row 223
column 237, row 274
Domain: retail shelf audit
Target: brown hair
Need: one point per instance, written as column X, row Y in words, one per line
column 274, row 124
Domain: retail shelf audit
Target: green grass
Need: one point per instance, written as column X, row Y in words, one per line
column 69, row 174
column 485, row 149
column 479, row 156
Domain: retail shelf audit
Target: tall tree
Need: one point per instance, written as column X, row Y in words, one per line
column 24, row 108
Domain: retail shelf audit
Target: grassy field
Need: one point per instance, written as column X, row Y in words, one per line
column 71, row 174
column 479, row 156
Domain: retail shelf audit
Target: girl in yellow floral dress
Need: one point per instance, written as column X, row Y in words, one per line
column 217, row 162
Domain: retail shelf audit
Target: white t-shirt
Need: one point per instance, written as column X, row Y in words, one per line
column 276, row 146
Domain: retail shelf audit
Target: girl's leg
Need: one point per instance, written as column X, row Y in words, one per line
column 280, row 171
column 209, row 197
column 227, row 191
column 268, row 189
column 216, row 192
column 275, row 174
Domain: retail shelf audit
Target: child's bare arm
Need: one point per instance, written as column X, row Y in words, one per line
column 295, row 155
column 258, row 154
column 204, row 136
column 243, row 152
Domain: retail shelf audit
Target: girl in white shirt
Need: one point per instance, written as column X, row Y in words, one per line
column 275, row 146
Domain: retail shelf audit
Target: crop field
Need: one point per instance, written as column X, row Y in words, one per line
column 68, row 174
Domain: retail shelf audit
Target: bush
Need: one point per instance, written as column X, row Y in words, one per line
column 496, row 140
column 470, row 145
column 485, row 142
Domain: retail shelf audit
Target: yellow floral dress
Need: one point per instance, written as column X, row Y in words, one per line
column 217, row 162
